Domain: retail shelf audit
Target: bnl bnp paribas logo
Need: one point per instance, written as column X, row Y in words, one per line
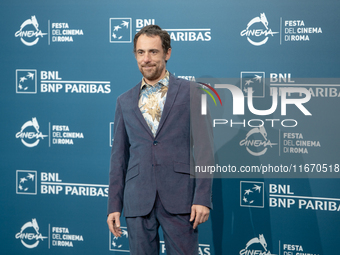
column 258, row 31
column 26, row 182
column 251, row 194
column 29, row 32
column 26, row 81
column 120, row 30
column 120, row 244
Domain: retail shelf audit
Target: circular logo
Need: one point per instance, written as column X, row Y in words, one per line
column 29, row 29
column 257, row 30
column 256, row 245
column 30, row 238
column 251, row 144
column 32, row 134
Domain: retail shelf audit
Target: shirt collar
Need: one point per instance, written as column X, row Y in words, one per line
column 164, row 81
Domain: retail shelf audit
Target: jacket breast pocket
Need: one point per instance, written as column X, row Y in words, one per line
column 132, row 172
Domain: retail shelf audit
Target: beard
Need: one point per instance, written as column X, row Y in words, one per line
column 154, row 73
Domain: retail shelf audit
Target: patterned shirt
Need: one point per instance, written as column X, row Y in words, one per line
column 151, row 101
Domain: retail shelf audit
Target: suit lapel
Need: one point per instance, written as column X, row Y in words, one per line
column 136, row 109
column 170, row 99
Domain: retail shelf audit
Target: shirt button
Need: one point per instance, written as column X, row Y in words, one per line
column 155, row 143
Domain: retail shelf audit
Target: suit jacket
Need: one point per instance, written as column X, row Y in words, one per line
column 142, row 165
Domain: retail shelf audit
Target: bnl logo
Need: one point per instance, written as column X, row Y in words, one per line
column 26, row 182
column 26, row 81
column 256, row 80
column 120, row 244
column 251, row 194
column 120, row 30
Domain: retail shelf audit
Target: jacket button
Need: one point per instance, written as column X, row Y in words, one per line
column 155, row 143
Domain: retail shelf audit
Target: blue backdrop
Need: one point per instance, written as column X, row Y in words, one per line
column 64, row 63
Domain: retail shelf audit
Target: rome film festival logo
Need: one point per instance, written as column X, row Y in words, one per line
column 251, row 194
column 26, row 82
column 29, row 233
column 26, row 182
column 263, row 142
column 30, row 29
column 255, row 34
column 256, row 245
column 26, row 137
column 120, row 30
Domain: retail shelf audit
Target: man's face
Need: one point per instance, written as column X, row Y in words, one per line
column 151, row 58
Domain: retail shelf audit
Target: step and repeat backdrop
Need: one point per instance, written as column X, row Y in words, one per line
column 274, row 66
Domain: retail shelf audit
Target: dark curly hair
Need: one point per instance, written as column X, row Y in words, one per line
column 154, row 30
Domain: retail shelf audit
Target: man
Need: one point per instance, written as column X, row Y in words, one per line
column 152, row 154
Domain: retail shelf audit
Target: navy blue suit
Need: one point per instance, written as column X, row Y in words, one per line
column 143, row 166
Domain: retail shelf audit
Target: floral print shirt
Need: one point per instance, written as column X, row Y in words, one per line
column 151, row 101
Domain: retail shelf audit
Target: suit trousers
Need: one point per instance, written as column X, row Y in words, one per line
column 179, row 235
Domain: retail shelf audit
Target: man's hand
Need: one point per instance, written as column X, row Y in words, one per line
column 200, row 214
column 114, row 224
